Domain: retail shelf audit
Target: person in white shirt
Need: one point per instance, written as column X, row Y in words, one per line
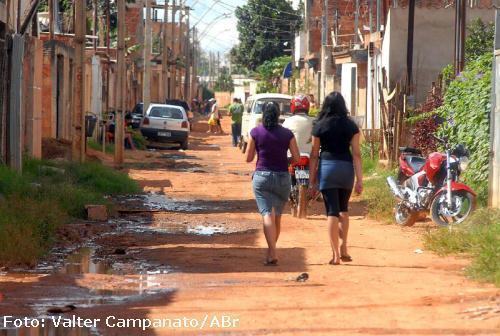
column 300, row 123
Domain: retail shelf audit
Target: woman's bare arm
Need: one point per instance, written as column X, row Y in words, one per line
column 294, row 150
column 251, row 150
column 358, row 163
column 314, row 160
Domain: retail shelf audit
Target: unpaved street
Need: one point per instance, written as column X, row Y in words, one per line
column 200, row 254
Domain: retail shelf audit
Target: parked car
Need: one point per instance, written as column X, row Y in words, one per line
column 166, row 124
column 252, row 115
column 136, row 115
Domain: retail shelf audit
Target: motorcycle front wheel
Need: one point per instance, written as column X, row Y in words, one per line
column 405, row 216
column 463, row 205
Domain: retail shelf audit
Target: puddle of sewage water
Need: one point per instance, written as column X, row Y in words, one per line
column 205, row 230
column 158, row 202
column 81, row 262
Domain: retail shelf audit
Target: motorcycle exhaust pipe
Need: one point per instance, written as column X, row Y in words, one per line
column 395, row 188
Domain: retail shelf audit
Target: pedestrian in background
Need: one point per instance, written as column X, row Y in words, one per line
column 236, row 114
column 271, row 180
column 336, row 135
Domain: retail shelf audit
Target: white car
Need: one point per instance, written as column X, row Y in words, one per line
column 166, row 124
column 252, row 115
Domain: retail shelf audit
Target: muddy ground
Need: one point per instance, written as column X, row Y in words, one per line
column 193, row 248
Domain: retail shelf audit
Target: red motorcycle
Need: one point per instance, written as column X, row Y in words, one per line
column 432, row 184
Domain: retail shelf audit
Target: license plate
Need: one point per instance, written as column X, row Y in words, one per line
column 302, row 174
column 165, row 134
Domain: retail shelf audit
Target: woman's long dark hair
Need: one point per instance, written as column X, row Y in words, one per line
column 270, row 115
column 333, row 107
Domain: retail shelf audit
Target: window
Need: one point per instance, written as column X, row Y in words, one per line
column 283, row 103
column 166, row 112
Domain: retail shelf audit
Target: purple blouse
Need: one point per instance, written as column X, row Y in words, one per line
column 272, row 146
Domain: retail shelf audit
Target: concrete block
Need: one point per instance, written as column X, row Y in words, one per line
column 97, row 213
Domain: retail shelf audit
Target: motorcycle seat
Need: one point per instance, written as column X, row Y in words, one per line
column 415, row 162
column 410, row 150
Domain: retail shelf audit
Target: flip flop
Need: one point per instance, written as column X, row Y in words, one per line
column 333, row 263
column 346, row 258
column 273, row 262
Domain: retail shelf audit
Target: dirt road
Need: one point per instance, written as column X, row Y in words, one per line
column 201, row 258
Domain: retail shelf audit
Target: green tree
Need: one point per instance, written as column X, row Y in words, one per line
column 480, row 39
column 270, row 72
column 467, row 103
column 267, row 29
column 224, row 82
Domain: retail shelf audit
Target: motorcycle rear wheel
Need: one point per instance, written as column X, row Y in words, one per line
column 302, row 202
column 467, row 201
column 405, row 216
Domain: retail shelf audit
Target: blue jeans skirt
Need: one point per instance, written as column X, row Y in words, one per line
column 272, row 190
column 335, row 174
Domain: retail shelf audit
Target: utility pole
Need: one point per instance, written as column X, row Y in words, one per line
column 187, row 75
column 178, row 74
column 96, row 16
column 173, row 69
column 460, row 18
column 164, row 60
column 120, row 91
column 379, row 14
column 51, row 19
column 356, row 23
column 146, row 85
column 79, row 136
column 324, row 50
column 108, row 63
column 370, row 15
column 194, row 61
column 218, row 66
column 409, row 47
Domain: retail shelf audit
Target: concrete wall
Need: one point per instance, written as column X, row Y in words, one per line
column 433, row 44
column 223, row 99
column 32, row 97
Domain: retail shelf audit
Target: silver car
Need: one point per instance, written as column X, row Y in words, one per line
column 166, row 124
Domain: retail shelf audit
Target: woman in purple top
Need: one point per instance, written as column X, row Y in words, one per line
column 271, row 180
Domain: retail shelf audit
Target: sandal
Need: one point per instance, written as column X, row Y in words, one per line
column 273, row 262
column 334, row 263
column 346, row 258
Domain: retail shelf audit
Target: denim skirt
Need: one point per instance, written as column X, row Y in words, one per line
column 272, row 191
column 335, row 174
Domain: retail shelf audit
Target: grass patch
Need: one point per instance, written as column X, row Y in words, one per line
column 109, row 147
column 46, row 195
column 139, row 141
column 379, row 200
column 478, row 237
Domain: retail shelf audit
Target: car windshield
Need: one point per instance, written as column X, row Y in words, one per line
column 166, row 112
column 283, row 103
column 138, row 109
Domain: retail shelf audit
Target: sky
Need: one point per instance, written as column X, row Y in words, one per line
column 217, row 21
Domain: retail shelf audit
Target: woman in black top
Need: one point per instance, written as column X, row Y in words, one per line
column 335, row 134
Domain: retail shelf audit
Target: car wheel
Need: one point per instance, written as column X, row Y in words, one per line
column 184, row 145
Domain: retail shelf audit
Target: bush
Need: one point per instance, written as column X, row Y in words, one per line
column 478, row 237
column 27, row 228
column 379, row 200
column 46, row 195
column 467, row 104
column 370, row 165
